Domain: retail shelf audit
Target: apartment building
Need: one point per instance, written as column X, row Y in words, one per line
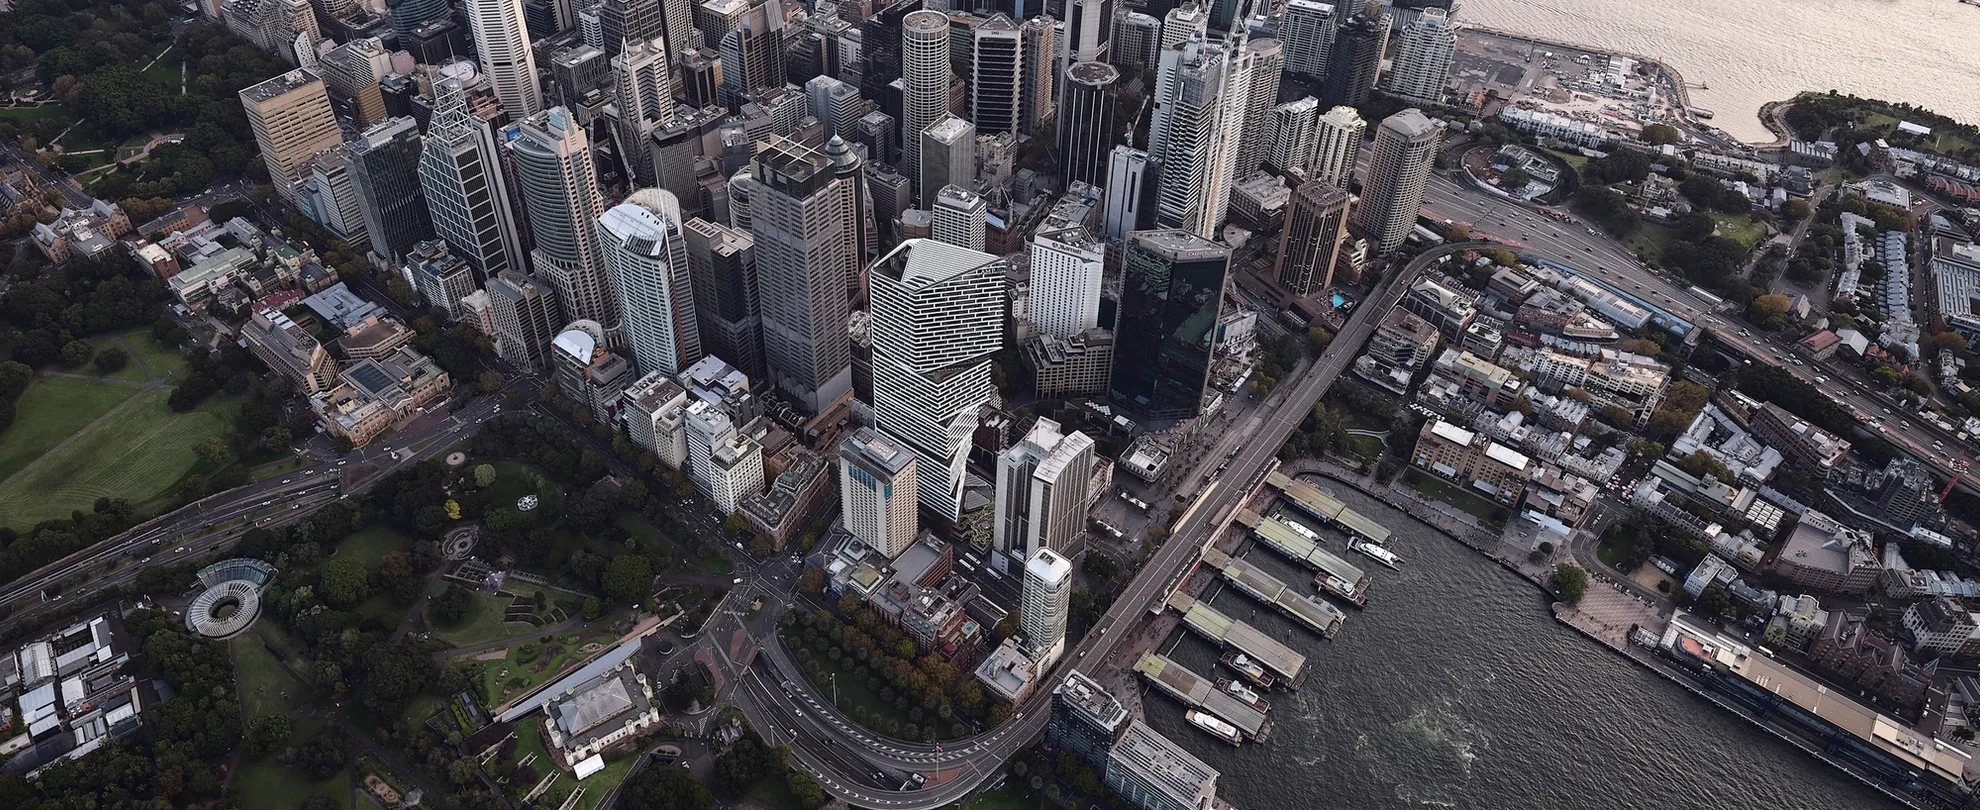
column 1473, row 459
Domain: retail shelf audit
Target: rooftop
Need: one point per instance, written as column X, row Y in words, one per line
column 1164, row 765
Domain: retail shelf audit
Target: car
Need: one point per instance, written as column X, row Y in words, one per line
column 179, row 550
column 288, row 480
column 343, row 462
column 1887, row 412
column 1821, row 379
column 738, row 581
column 295, row 506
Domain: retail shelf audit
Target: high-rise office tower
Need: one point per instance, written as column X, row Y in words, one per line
column 1066, row 268
column 726, row 465
column 1089, row 25
column 465, row 188
column 1398, row 173
column 877, row 491
column 1316, row 222
column 892, row 193
column 1354, row 60
column 1132, row 178
column 1307, row 29
column 1268, row 62
column 624, row 21
column 837, row 106
column 996, row 75
column 924, row 86
column 1289, row 146
column 1171, row 292
column 850, row 169
column 1086, row 121
column 722, row 268
column 677, row 25
column 1136, row 42
column 1040, row 78
column 959, row 217
column 753, row 54
column 804, row 261
column 292, row 122
column 353, row 71
column 643, row 92
column 1041, row 494
column 1422, row 67
column 408, row 15
column 1337, row 138
column 647, row 254
column 1180, row 24
column 876, row 132
column 1086, row 717
column 560, row 189
column 525, row 318
column 1200, row 99
column 385, row 164
column 328, row 195
column 1046, row 597
column 936, row 317
column 716, row 18
column 948, row 157
column 502, row 45
column 591, row 31
column 701, row 78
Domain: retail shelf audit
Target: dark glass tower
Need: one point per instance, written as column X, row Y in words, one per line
column 385, row 166
column 1173, row 286
column 1356, row 58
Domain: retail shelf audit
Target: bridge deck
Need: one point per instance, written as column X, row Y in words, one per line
column 1197, row 692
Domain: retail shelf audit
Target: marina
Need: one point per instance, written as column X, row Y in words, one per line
column 1248, row 669
column 1337, row 576
column 1317, row 615
column 1214, row 727
column 1244, row 694
column 1277, row 658
column 1316, row 502
column 1199, row 693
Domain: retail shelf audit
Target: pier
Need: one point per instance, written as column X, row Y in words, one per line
column 1212, row 624
column 1352, row 582
column 1326, row 507
column 1197, row 692
column 1317, row 615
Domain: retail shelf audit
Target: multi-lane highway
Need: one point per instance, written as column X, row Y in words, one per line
column 847, row 759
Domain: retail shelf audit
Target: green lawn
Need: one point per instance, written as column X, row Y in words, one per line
column 267, row 784
column 373, row 542
column 45, row 112
column 1742, row 228
column 775, row 791
column 514, row 480
column 507, row 678
column 266, row 688
column 1650, row 241
column 1014, row 795
column 50, row 410
column 132, row 372
column 651, row 540
column 482, row 623
column 166, row 71
column 141, row 453
column 1437, row 489
column 165, row 361
column 853, row 696
column 597, row 785
column 279, row 640
column 1610, row 553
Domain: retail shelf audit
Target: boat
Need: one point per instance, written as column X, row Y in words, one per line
column 1215, row 727
column 1244, row 694
column 1341, row 588
column 1248, row 668
column 1300, row 530
column 1377, row 553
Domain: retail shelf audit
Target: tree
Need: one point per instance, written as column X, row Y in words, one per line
column 593, row 608
column 484, row 475
column 112, row 359
column 1796, row 209
column 665, row 789
column 344, row 581
column 762, row 545
column 1695, row 225
column 448, row 608
column 76, row 353
column 1946, row 342
column 1660, row 134
column 1514, row 179
column 812, row 581
column 213, row 451
column 735, row 525
column 267, row 733
column 627, row 578
column 1570, row 581
column 1769, row 311
column 489, row 381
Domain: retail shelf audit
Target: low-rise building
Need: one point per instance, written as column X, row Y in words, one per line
column 1071, row 367
column 1812, row 448
column 290, row 350
column 1631, row 384
column 616, row 706
column 1006, row 672
column 373, row 338
column 1849, row 650
column 1153, row 773
column 1470, row 458
column 76, row 692
column 1713, row 570
column 1824, row 555
column 87, row 233
column 1795, row 622
column 1943, row 626
column 1403, row 341
column 373, row 396
column 794, row 500
column 1449, row 307
column 654, row 413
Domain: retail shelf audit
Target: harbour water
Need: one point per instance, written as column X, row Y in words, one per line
column 1455, row 688
column 1750, row 52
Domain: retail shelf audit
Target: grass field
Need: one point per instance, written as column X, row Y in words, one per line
column 266, row 688
column 651, row 539
column 132, row 372
column 165, row 361
column 1012, row 796
column 140, row 453
column 268, row 785
column 1437, row 489
column 1742, row 228
column 50, row 410
column 45, row 112
column 514, row 480
column 482, row 623
column 509, row 677
column 775, row 791
column 373, row 542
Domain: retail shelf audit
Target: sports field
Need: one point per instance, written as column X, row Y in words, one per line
column 50, row 410
column 139, row 452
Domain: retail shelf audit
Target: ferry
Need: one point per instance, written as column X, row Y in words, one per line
column 1248, row 668
column 1215, row 727
column 1301, row 530
column 1244, row 694
column 1378, row 553
column 1341, row 588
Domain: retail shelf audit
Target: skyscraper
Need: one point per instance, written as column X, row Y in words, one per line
column 1307, row 29
column 645, row 250
column 1040, row 79
column 1089, row 23
column 1066, row 268
column 624, row 21
column 1354, row 60
column 936, row 318
column 725, row 464
column 996, row 75
column 1422, row 67
column 503, row 47
column 948, row 157
column 959, row 217
column 1046, row 597
column 292, row 122
column 804, row 259
column 1398, row 173
column 643, row 92
column 1172, row 290
column 1041, row 494
column 560, row 188
column 722, row 269
column 877, row 492
column 753, row 54
column 851, row 170
column 1180, row 24
column 1200, row 98
column 1289, row 147
column 1316, row 222
column 837, row 106
column 410, row 14
column 924, row 86
column 1086, row 121
column 1336, row 143
column 525, row 318
column 466, row 191
column 385, row 165
column 1268, row 59
column 1086, row 717
column 1136, row 42
column 1132, row 178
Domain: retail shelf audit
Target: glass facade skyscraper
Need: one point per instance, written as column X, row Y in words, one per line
column 1172, row 288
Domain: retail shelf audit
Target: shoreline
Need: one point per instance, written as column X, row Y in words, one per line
column 1656, row 666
